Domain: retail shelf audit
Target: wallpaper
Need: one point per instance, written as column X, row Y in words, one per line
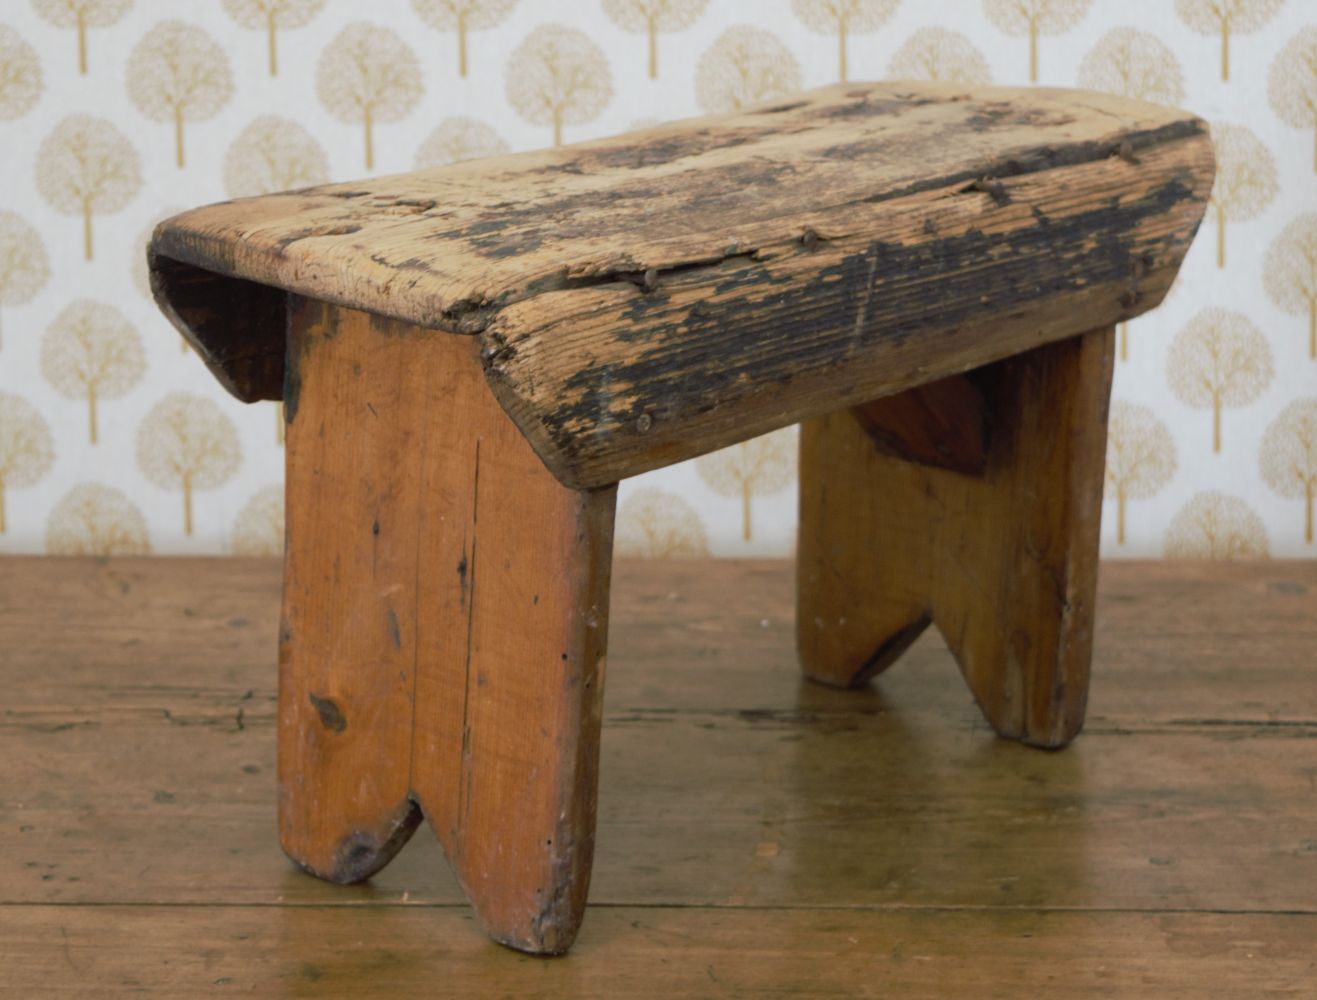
column 117, row 113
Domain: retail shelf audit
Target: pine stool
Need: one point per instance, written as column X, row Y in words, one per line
column 471, row 357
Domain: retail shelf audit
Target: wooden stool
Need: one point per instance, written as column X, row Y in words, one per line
column 471, row 357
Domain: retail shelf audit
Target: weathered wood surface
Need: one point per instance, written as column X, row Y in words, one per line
column 758, row 835
column 658, row 954
column 444, row 626
column 1196, row 742
column 995, row 540
column 643, row 299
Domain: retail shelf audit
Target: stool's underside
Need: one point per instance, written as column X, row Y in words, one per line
column 644, row 299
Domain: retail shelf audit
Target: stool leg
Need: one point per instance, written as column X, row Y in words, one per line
column 444, row 627
column 975, row 503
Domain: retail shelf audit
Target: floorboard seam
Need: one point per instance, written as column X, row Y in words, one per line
column 707, row 907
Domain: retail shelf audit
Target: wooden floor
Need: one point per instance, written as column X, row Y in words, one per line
column 758, row 836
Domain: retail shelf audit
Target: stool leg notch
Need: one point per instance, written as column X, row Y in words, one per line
column 975, row 503
column 444, row 628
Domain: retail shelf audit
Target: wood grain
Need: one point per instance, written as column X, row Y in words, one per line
column 444, row 627
column 644, row 299
column 944, row 423
column 750, row 823
column 1003, row 560
column 660, row 954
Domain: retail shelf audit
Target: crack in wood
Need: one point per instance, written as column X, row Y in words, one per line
column 464, row 768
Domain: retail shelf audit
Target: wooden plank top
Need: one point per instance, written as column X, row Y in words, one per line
column 633, row 294
column 758, row 837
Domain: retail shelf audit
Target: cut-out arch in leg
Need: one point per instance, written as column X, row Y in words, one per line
column 444, row 628
column 974, row 503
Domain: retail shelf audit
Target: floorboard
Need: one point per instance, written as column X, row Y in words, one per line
column 758, row 836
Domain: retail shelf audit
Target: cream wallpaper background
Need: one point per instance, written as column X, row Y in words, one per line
column 114, row 439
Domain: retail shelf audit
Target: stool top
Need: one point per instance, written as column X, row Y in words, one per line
column 646, row 298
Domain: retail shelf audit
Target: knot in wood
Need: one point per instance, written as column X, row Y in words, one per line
column 331, row 716
column 994, row 189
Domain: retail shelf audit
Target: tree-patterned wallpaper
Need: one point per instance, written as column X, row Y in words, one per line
column 117, row 113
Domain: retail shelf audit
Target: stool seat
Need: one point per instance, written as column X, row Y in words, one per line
column 925, row 277
column 643, row 299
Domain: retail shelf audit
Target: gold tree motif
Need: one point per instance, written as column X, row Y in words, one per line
column 940, row 54
column 368, row 75
column 1226, row 18
column 1216, row 526
column 273, row 154
column 1140, row 458
column 20, row 75
column 1290, row 272
column 81, row 15
column 1133, row 64
column 457, row 139
column 1245, row 180
column 844, row 18
column 270, row 16
column 461, row 17
column 761, row 465
column 92, row 352
column 1219, row 359
column 24, row 268
column 96, row 520
column 558, row 77
column 1292, row 84
column 649, row 17
column 178, row 73
column 26, row 451
column 86, row 166
column 656, row 524
column 743, row 66
column 1288, row 456
column 187, row 443
column 258, row 530
column 1034, row 18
